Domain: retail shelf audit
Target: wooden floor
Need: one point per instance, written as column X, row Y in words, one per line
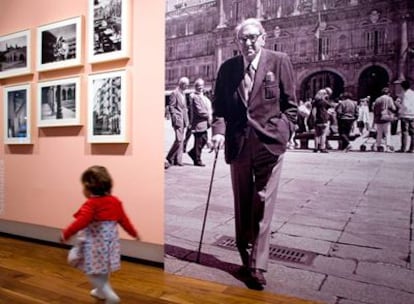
column 33, row 272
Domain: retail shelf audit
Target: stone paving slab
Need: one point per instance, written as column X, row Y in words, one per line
column 317, row 221
column 377, row 229
column 335, row 266
column 374, row 255
column 384, row 221
column 364, row 239
column 366, row 293
column 310, row 232
column 392, row 276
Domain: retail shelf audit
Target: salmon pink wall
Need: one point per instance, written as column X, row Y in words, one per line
column 41, row 180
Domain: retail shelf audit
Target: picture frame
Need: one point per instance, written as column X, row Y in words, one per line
column 108, row 30
column 17, row 114
column 15, row 54
column 59, row 44
column 58, row 103
column 107, row 107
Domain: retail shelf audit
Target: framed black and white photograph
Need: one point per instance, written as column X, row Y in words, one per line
column 15, row 54
column 108, row 30
column 58, row 103
column 107, row 107
column 59, row 44
column 17, row 114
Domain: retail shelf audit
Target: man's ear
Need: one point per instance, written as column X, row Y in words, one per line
column 263, row 37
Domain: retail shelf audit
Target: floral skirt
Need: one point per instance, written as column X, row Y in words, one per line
column 97, row 249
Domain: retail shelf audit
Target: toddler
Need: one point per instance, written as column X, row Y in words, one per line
column 97, row 250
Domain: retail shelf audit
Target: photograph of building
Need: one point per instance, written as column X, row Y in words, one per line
column 107, row 106
column 354, row 45
column 13, row 53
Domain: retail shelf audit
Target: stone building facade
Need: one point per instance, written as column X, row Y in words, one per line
column 358, row 46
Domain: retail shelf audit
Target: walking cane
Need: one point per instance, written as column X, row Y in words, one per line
column 207, row 204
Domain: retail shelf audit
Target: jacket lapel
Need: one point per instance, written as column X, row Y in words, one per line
column 239, row 74
column 260, row 74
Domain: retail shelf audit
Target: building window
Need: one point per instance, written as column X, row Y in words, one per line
column 181, row 31
column 236, row 12
column 302, row 48
column 278, row 46
column 374, row 41
column 210, row 46
column 342, row 44
column 170, row 52
column 271, row 8
column 185, row 72
column 323, row 48
column 171, row 30
column 189, row 28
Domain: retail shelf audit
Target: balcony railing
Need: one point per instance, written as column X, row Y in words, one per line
column 361, row 53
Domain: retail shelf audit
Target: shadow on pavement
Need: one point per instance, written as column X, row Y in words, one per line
column 211, row 261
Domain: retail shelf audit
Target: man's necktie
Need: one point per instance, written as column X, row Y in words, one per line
column 248, row 81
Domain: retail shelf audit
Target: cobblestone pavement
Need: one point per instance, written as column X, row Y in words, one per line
column 351, row 213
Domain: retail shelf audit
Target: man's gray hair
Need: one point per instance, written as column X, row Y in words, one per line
column 199, row 81
column 183, row 80
column 250, row 21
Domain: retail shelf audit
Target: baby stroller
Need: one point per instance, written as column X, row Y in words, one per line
column 370, row 139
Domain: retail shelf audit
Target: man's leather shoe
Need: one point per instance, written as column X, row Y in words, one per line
column 258, row 279
column 243, row 271
column 199, row 164
column 166, row 165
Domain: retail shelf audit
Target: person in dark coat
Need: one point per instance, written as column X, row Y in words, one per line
column 254, row 115
column 201, row 116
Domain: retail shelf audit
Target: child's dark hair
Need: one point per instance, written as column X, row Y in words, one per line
column 97, row 180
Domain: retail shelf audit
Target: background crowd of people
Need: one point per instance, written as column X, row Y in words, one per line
column 379, row 118
column 191, row 114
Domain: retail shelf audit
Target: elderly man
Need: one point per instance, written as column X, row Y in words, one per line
column 200, row 109
column 179, row 120
column 254, row 111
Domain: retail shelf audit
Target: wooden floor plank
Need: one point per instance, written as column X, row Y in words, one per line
column 37, row 273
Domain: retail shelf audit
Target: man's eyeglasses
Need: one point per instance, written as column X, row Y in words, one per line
column 253, row 38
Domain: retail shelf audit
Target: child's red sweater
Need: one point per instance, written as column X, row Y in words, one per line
column 103, row 208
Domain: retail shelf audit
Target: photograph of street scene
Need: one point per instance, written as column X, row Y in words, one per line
column 340, row 228
column 107, row 26
column 13, row 53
